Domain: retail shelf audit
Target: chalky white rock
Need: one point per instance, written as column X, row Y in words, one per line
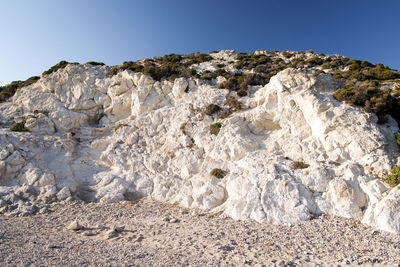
column 126, row 137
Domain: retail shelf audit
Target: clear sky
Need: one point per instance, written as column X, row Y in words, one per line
column 37, row 34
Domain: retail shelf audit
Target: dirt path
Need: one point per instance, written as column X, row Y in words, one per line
column 156, row 234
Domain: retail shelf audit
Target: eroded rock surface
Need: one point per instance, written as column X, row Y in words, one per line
column 126, row 137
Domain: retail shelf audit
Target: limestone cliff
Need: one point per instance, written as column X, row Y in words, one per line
column 282, row 152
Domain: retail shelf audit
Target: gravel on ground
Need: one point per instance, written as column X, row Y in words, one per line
column 149, row 233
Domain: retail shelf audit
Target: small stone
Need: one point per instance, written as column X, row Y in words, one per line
column 374, row 232
column 111, row 235
column 64, row 194
column 44, row 210
column 118, row 229
column 194, row 213
column 165, row 219
column 89, row 233
column 3, row 203
column 111, row 232
column 69, row 200
column 139, row 239
column 4, row 154
column 75, row 226
column 173, row 220
column 52, row 246
column 184, row 212
column 47, row 179
column 99, row 226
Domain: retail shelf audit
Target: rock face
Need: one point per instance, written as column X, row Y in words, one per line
column 126, row 137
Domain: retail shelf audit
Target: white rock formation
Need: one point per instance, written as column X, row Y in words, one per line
column 127, row 137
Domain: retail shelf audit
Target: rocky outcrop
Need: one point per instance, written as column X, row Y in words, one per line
column 290, row 153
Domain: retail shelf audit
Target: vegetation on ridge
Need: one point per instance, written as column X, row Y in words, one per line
column 166, row 67
column 393, row 178
column 9, row 90
column 60, row 65
column 364, row 84
column 94, row 63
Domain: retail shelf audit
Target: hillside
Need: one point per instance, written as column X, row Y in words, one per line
column 276, row 137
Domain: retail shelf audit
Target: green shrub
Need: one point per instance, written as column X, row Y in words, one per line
column 231, row 84
column 278, row 61
column 171, row 58
column 326, row 65
column 9, row 90
column 368, row 95
column 225, row 114
column 112, row 71
column 342, row 94
column 208, row 75
column 386, row 75
column 192, row 72
column 60, row 65
column 299, row 165
column 20, row 126
column 364, row 70
column 240, row 83
column 332, row 63
column 393, row 178
column 242, row 91
column 233, row 103
column 182, row 127
column 250, row 61
column 210, row 109
column 314, row 61
column 166, row 67
column 119, row 126
column 197, row 58
column 297, row 63
column 254, row 79
column 398, row 138
column 94, row 63
column 287, row 54
column 215, row 127
column 219, row 173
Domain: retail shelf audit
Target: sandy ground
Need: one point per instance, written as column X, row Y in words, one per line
column 148, row 233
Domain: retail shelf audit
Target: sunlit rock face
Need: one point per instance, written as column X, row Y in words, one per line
column 290, row 153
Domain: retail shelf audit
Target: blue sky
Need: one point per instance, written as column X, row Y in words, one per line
column 37, row 34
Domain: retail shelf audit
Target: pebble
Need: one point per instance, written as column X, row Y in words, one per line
column 374, row 232
column 194, row 213
column 117, row 229
column 111, row 232
column 75, row 226
column 139, row 239
column 90, row 233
